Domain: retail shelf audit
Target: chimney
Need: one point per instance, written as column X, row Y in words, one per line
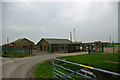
column 70, row 36
column 7, row 40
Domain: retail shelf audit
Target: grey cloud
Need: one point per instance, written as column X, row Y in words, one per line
column 91, row 20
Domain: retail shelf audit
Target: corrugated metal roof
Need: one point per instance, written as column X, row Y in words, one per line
column 16, row 41
column 21, row 41
column 57, row 41
column 97, row 41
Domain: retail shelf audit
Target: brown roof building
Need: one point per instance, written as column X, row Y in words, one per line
column 53, row 45
column 21, row 43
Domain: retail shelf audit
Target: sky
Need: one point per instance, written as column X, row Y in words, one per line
column 35, row 20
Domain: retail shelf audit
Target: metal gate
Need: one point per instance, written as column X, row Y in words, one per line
column 85, row 71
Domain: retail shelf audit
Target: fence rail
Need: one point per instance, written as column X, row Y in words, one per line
column 85, row 69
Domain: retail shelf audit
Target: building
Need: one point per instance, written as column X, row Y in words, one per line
column 53, row 45
column 19, row 45
column 95, row 46
column 105, row 43
column 0, row 49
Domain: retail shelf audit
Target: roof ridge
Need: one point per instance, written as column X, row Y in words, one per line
column 55, row 38
column 57, row 41
column 20, row 40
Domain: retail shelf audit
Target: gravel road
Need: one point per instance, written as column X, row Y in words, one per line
column 18, row 67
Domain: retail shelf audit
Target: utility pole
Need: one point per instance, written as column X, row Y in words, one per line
column 113, row 48
column 75, row 41
column 7, row 40
column 70, row 36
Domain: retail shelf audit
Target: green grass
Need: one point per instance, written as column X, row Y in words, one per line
column 43, row 70
column 15, row 54
column 94, row 60
column 111, row 45
column 117, row 44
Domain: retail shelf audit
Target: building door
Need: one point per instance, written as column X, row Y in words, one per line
column 40, row 47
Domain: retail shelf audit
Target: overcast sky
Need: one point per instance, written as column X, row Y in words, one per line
column 36, row 20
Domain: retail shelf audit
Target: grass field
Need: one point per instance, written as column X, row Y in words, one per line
column 109, row 46
column 112, row 45
column 44, row 70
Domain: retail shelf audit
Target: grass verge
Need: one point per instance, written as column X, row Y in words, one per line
column 44, row 70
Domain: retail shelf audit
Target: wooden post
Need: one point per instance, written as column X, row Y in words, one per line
column 113, row 48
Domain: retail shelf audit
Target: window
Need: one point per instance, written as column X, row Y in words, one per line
column 24, row 46
column 48, row 47
column 44, row 47
column 62, row 47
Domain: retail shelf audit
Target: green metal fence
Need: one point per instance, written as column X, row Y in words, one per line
column 20, row 50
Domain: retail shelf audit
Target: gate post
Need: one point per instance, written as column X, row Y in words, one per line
column 53, row 67
column 85, row 76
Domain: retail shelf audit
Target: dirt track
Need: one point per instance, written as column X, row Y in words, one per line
column 20, row 67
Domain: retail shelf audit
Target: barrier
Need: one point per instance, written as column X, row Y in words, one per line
column 57, row 74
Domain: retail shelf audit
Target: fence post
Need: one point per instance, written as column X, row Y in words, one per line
column 113, row 48
column 85, row 76
column 53, row 67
